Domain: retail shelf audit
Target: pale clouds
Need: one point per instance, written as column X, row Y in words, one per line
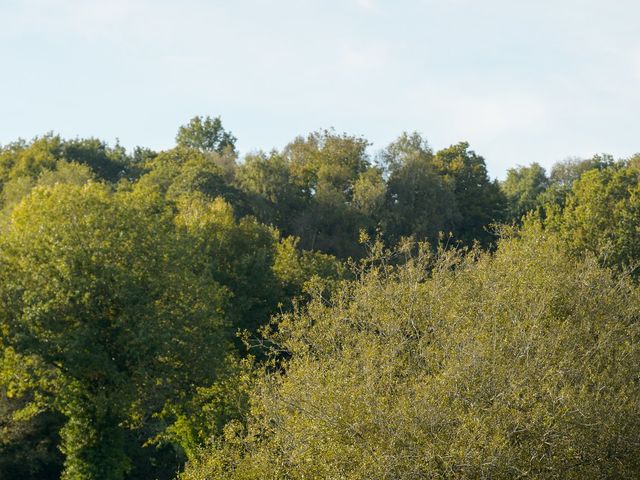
column 536, row 81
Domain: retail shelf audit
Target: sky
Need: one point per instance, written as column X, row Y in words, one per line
column 521, row 81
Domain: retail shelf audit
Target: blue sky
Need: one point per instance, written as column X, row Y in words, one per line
column 522, row 81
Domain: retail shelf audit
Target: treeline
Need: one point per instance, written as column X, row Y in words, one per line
column 315, row 312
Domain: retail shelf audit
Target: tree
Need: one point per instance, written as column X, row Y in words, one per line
column 238, row 254
column 479, row 200
column 28, row 448
column 108, row 163
column 317, row 189
column 17, row 188
column 22, row 159
column 602, row 215
column 261, row 270
column 184, row 171
column 517, row 363
column 565, row 173
column 296, row 269
column 207, row 135
column 420, row 201
column 325, row 158
column 524, row 188
column 325, row 167
column 369, row 192
column 104, row 315
column 276, row 197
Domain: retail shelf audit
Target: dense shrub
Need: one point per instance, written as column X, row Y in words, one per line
column 518, row 364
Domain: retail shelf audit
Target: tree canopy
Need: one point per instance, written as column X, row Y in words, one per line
column 322, row 310
column 102, row 311
column 207, row 135
column 454, row 366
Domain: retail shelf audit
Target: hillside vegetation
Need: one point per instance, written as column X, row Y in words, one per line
column 315, row 312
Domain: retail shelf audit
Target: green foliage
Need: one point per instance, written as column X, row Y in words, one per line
column 420, row 201
column 449, row 192
column 108, row 163
column 21, row 159
column 207, row 135
column 137, row 293
column 324, row 190
column 295, row 269
column 325, row 159
column 204, row 415
column 63, row 172
column 325, row 167
column 369, row 193
column 238, row 254
column 479, row 200
column 564, row 174
column 276, row 197
column 524, row 187
column 513, row 364
column 28, row 448
column 321, row 189
column 602, row 215
column 181, row 171
column 99, row 297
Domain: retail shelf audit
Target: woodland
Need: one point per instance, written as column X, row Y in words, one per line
column 321, row 311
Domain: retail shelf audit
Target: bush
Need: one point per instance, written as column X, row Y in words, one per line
column 521, row 363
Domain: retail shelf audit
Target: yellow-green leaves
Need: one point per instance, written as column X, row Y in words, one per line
column 100, row 292
column 521, row 363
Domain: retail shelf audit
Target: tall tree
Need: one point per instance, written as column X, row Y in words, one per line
column 602, row 215
column 238, row 254
column 105, row 315
column 565, row 173
column 206, row 134
column 420, row 201
column 277, row 198
column 524, row 188
column 325, row 167
column 183, row 171
column 479, row 200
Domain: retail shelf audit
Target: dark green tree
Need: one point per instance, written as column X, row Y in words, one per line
column 108, row 163
column 419, row 201
column 238, row 254
column 28, row 447
column 479, row 200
